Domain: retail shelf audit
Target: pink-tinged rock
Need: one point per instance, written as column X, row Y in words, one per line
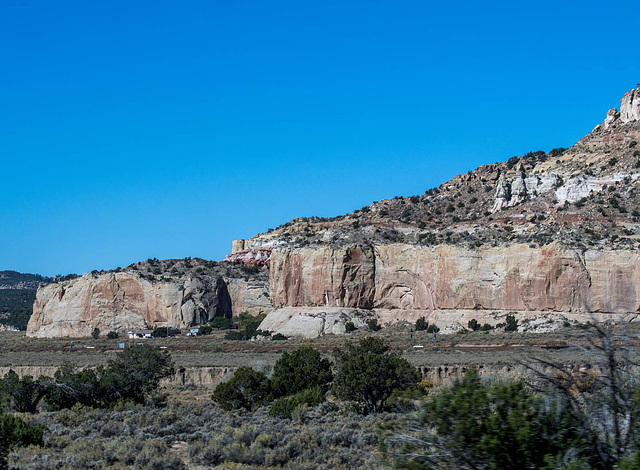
column 408, row 277
column 323, row 276
column 250, row 257
column 124, row 301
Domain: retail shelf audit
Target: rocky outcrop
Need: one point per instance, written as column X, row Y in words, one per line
column 250, row 296
column 406, row 277
column 612, row 116
column 570, row 188
column 629, row 109
column 250, row 256
column 520, row 187
column 503, row 194
column 240, row 244
column 304, row 322
column 121, row 301
column 630, row 106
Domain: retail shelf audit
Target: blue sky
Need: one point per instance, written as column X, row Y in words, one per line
column 138, row 129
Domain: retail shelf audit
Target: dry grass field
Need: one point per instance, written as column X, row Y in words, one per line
column 472, row 348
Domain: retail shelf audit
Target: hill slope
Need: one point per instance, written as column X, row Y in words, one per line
column 583, row 197
column 16, row 280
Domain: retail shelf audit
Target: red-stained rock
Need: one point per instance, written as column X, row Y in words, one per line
column 410, row 277
column 251, row 257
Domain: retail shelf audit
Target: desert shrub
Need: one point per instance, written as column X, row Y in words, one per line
column 373, row 325
column 247, row 389
column 284, row 407
column 235, row 336
column 368, row 373
column 557, row 152
column 511, row 324
column 205, row 330
column 432, row 328
column 16, row 432
column 427, row 238
column 350, row 327
column 299, row 370
column 421, row 324
column 504, row 426
column 164, row 331
column 95, row 334
column 166, row 462
column 473, row 325
column 278, row 337
column 247, row 327
column 222, row 323
column 132, row 375
column 22, row 395
column 112, row 335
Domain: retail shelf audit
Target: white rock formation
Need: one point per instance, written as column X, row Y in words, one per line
column 518, row 188
column 612, row 116
column 313, row 322
column 630, row 106
column 629, row 109
column 503, row 194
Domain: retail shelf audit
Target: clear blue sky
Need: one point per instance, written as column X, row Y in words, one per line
column 133, row 129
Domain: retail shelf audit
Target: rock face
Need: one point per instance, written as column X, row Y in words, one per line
column 629, row 109
column 240, row 244
column 404, row 278
column 313, row 322
column 250, row 256
column 630, row 106
column 121, row 301
column 249, row 296
column 514, row 190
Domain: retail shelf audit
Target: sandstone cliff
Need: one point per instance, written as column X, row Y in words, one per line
column 405, row 277
column 137, row 298
column 121, row 301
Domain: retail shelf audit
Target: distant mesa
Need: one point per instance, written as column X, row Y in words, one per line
column 16, row 280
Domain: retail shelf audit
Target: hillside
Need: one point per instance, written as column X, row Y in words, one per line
column 17, row 294
column 16, row 280
column 583, row 197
